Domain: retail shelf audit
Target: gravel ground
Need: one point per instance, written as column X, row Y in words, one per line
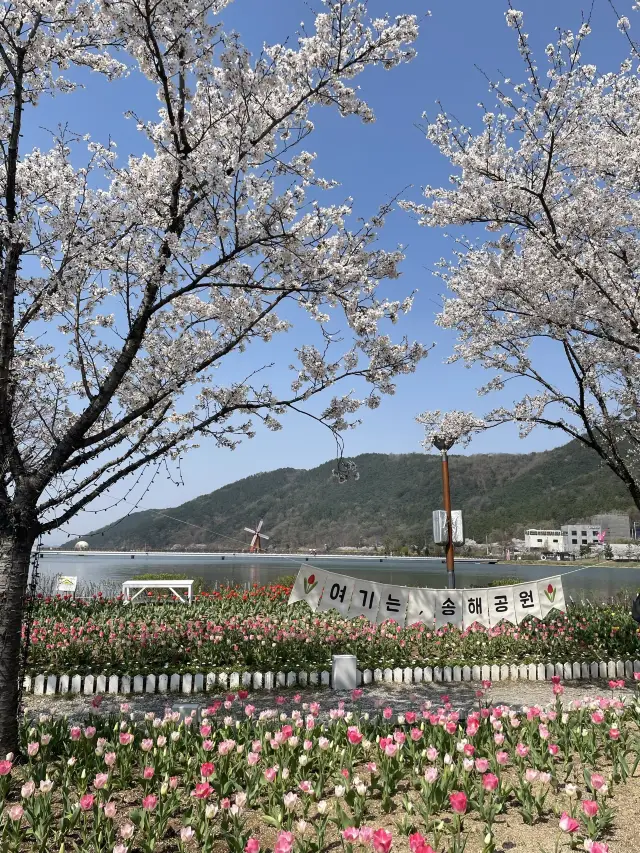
column 401, row 697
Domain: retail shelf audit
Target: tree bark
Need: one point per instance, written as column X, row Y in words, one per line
column 15, row 555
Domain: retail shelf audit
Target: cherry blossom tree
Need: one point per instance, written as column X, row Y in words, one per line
column 127, row 280
column 550, row 300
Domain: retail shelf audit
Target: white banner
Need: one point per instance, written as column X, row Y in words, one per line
column 448, row 607
column 409, row 605
column 365, row 600
column 551, row 595
column 475, row 607
column 308, row 586
column 422, row 606
column 527, row 600
column 394, row 604
column 501, row 605
column 338, row 590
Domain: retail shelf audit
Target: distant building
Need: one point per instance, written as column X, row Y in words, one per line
column 543, row 540
column 616, row 524
column 576, row 535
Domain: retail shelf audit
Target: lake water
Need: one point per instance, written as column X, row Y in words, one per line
column 596, row 583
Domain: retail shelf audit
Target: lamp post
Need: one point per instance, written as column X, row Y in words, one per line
column 444, row 445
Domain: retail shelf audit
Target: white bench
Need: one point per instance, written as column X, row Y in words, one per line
column 127, row 586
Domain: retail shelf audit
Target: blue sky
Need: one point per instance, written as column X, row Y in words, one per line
column 372, row 163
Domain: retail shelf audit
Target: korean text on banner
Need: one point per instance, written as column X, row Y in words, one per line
column 501, row 605
column 527, row 600
column 448, row 607
column 551, row 595
column 393, row 604
column 338, row 590
column 365, row 600
column 421, row 607
column 475, row 607
column 308, row 586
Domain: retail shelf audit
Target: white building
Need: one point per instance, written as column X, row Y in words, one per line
column 543, row 540
column 576, row 535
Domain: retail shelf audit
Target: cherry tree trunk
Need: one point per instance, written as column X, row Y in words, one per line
column 15, row 555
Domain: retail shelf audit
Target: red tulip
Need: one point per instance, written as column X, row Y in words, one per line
column 458, row 801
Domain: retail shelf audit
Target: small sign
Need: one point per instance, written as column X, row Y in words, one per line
column 67, row 584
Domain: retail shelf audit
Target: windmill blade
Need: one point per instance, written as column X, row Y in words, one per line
column 259, row 527
column 262, row 536
column 250, row 530
column 254, row 540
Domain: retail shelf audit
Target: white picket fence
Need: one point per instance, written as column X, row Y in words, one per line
column 50, row 685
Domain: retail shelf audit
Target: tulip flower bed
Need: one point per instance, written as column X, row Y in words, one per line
column 302, row 779
column 257, row 631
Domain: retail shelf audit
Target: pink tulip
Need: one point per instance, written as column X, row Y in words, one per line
column 110, row 809
column 366, row 835
column 149, row 803
column 416, row 735
column 390, row 750
column 207, row 769
column 387, row 713
column 351, row 834
column 353, row 735
column 75, row 733
column 530, row 775
column 284, row 842
column 381, row 841
column 502, row 757
column 125, row 738
column 270, row 773
column 614, row 734
column 458, row 802
column 89, row 732
column 15, row 812
column 252, row 845
column 110, row 759
column 431, row 774
column 146, row 745
column 416, row 840
column 590, row 808
column 432, row 753
column 482, row 765
column 597, row 717
column 148, row 772
column 596, row 846
column 32, row 748
column 5, row 768
column 86, row 802
column 597, row 781
column 554, row 749
column 490, row 782
column 100, row 781
column 522, row 750
column 120, row 848
column 568, row 824
column 202, row 790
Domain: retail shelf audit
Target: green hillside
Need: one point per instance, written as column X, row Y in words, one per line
column 500, row 495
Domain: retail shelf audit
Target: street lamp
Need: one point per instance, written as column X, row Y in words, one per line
column 444, row 445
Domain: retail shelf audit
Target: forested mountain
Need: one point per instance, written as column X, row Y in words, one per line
column 500, row 495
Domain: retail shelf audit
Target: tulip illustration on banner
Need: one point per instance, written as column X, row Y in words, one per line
column 550, row 592
column 310, row 584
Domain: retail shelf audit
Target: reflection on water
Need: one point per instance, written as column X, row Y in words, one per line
column 595, row 582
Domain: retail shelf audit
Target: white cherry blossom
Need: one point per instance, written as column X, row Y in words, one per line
column 128, row 279
column 548, row 301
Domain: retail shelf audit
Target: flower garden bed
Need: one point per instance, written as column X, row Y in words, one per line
column 235, row 630
column 307, row 779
